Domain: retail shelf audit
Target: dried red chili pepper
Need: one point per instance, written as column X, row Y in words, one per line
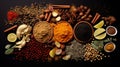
column 11, row 15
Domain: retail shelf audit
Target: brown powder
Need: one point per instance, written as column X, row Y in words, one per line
column 43, row 32
column 111, row 30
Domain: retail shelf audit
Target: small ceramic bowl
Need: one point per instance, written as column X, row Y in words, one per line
column 109, row 47
column 111, row 30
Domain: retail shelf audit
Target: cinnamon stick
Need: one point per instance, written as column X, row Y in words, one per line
column 46, row 15
column 48, row 18
column 96, row 17
column 61, row 6
column 84, row 16
column 13, row 27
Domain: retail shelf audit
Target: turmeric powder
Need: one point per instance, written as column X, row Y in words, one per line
column 63, row 32
column 109, row 47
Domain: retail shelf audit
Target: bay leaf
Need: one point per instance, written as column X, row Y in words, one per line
column 9, row 51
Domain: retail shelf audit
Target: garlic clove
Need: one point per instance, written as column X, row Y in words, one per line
column 58, row 18
column 28, row 30
column 27, row 37
column 20, row 30
column 20, row 44
column 55, row 13
column 21, row 41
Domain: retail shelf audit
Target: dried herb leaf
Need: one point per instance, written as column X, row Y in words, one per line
column 98, row 45
column 9, row 51
column 7, row 46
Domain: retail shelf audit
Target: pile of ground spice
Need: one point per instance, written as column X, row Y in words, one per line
column 33, row 51
column 63, row 32
column 43, row 32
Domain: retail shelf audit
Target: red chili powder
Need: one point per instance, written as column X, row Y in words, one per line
column 33, row 51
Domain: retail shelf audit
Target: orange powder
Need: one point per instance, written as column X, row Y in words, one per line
column 63, row 32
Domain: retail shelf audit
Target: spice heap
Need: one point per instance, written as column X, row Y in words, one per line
column 91, row 54
column 43, row 32
column 76, row 50
column 26, row 14
column 33, row 51
column 63, row 32
column 46, row 33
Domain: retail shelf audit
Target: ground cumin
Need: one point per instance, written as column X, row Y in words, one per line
column 43, row 32
column 63, row 32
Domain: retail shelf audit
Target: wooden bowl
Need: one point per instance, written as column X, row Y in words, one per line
column 83, row 31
